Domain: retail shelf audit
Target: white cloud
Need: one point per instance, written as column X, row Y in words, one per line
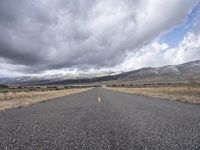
column 86, row 35
column 156, row 54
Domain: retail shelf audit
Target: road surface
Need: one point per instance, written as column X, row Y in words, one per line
column 100, row 119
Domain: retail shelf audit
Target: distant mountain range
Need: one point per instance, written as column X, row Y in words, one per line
column 184, row 73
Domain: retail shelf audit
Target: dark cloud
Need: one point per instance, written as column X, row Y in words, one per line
column 56, row 34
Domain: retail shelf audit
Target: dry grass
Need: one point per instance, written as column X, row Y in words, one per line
column 17, row 95
column 182, row 93
column 9, row 100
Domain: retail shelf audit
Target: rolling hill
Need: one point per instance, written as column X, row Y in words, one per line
column 183, row 73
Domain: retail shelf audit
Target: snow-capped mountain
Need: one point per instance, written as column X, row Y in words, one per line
column 187, row 72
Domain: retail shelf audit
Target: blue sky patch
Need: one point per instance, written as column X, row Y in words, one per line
column 176, row 35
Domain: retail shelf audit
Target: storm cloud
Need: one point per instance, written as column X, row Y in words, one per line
column 36, row 35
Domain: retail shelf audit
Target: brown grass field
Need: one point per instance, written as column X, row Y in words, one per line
column 186, row 93
column 10, row 99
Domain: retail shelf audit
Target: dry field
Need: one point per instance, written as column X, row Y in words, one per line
column 181, row 93
column 9, row 100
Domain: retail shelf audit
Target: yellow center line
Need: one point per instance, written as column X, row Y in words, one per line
column 99, row 99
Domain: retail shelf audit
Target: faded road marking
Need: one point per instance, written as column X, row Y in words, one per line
column 99, row 99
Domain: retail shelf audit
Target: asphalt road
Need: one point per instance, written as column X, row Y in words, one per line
column 100, row 119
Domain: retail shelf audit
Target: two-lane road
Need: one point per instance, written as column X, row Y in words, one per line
column 101, row 119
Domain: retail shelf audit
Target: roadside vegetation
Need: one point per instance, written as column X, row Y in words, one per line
column 14, row 97
column 189, row 92
column 9, row 93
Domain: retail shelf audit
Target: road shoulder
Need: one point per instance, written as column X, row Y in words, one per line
column 172, row 97
column 47, row 96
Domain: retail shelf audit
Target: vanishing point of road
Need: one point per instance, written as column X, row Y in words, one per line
column 102, row 120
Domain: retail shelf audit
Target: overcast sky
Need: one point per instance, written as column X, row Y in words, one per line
column 94, row 36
